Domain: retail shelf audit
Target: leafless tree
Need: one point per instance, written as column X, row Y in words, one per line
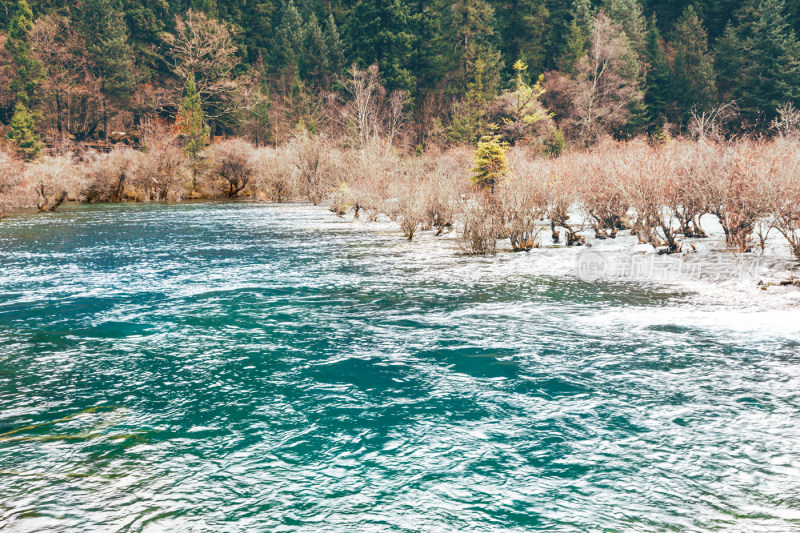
column 205, row 49
column 597, row 100
column 234, row 162
column 712, row 124
column 54, row 180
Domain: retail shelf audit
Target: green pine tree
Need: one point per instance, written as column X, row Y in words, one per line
column 333, row 41
column 28, row 71
column 628, row 14
column 580, row 28
column 292, row 38
column 316, row 66
column 110, row 52
column 192, row 126
column 758, row 58
column 22, row 133
column 382, row 32
column 491, row 163
column 523, row 26
column 693, row 70
column 658, row 80
column 192, row 121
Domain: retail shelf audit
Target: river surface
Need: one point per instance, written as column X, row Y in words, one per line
column 242, row 367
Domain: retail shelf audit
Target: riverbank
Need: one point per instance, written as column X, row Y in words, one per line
column 663, row 193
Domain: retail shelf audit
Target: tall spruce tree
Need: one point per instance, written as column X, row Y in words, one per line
column 658, row 79
column 522, row 28
column 28, row 71
column 333, row 41
column 22, row 133
column 110, row 53
column 316, row 69
column 693, row 69
column 192, row 126
column 759, row 57
column 580, row 29
column 468, row 32
column 628, row 15
column 381, row 32
column 291, row 38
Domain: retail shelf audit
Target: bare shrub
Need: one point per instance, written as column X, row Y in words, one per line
column 410, row 190
column 362, row 177
column 600, row 197
column 728, row 176
column 524, row 199
column 311, row 158
column 562, row 194
column 787, row 123
column 234, row 161
column 275, row 174
column 364, row 110
column 782, row 192
column 684, row 194
column 481, row 225
column 645, row 177
column 713, row 125
column 12, row 190
column 597, row 100
column 54, row 180
column 163, row 169
column 108, row 174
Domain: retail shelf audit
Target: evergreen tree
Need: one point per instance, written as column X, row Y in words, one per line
column 467, row 30
column 628, row 15
column 108, row 47
column 658, row 80
column 291, row 38
column 523, row 28
column 491, row 163
column 693, row 73
column 317, row 67
column 335, row 47
column 28, row 71
column 191, row 122
column 22, row 133
column 762, row 56
column 580, row 29
column 381, row 32
column 258, row 29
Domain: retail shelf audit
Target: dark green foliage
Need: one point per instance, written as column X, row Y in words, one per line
column 192, row 122
column 28, row 72
column 22, row 133
column 693, row 72
column 381, row 32
column 454, row 57
column 658, row 80
column 522, row 28
column 108, row 48
column 759, row 59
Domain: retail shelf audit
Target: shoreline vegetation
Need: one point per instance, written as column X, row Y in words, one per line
column 627, row 134
column 658, row 190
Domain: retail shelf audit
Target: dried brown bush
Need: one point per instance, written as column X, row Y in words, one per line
column 481, row 224
column 13, row 192
column 109, row 174
column 275, row 175
column 729, row 177
column 53, row 180
column 524, row 199
column 646, row 179
column 311, row 155
column 235, row 163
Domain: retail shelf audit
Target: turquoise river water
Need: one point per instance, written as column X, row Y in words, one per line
column 243, row 367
